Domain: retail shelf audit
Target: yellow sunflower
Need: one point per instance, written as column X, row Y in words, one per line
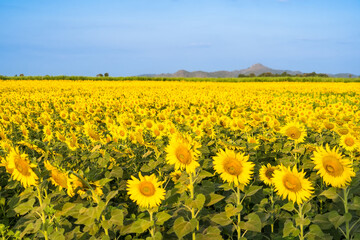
column 145, row 191
column 183, row 153
column 175, row 176
column 294, row 131
column 292, row 184
column 91, row 132
column 20, row 168
column 332, row 167
column 349, row 142
column 233, row 167
column 267, row 173
column 58, row 177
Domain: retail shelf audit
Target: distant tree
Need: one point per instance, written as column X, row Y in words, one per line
column 106, row 74
column 242, row 75
column 15, row 75
column 285, row 74
column 266, row 74
column 21, row 75
column 350, row 75
column 99, row 75
column 252, row 75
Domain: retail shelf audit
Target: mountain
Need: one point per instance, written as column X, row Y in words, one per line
column 257, row 69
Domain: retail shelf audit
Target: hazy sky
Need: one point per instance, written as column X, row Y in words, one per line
column 132, row 37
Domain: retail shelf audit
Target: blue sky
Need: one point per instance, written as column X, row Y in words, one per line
column 133, row 37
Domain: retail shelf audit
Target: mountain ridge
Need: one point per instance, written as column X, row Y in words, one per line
column 257, row 69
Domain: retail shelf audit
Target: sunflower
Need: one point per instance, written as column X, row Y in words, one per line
column 183, row 153
column 255, row 142
column 76, row 186
column 175, row 176
column 233, row 167
column 145, row 191
column 72, row 142
column 349, row 142
column 19, row 166
column 332, row 167
column 267, row 173
column 58, row 177
column 91, row 132
column 292, row 184
column 294, row 131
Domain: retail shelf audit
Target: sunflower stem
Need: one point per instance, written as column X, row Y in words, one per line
column 301, row 216
column 346, row 194
column 238, row 203
column 43, row 218
column 191, row 186
column 152, row 228
column 272, row 208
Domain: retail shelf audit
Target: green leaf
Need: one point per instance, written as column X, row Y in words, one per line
column 253, row 224
column 230, row 210
column 211, row 233
column 252, row 190
column 85, row 218
column 304, row 221
column 25, row 207
column 69, row 209
column 306, row 208
column 213, row 198
column 117, row 217
column 182, row 227
column 347, row 217
column 203, row 174
column 336, row 219
column 57, row 235
column 199, row 201
column 157, row 236
column 162, row 217
column 330, row 193
column 140, row 226
column 106, row 224
column 355, row 204
column 289, row 229
column 29, row 228
column 315, row 231
column 117, row 172
column 221, row 219
column 322, row 221
column 288, row 207
column 111, row 195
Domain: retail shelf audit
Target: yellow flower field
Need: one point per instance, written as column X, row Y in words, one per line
column 179, row 160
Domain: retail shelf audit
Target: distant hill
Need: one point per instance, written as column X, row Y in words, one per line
column 257, row 69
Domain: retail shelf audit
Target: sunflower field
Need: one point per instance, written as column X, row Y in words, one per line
column 179, row 160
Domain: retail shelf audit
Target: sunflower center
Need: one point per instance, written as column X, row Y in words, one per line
column 183, row 155
column 332, row 166
column 269, row 173
column 349, row 141
column 22, row 166
column 292, row 183
column 147, row 188
column 293, row 132
column 233, row 166
column 343, row 131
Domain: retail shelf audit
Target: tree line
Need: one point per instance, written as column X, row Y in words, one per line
column 284, row 74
